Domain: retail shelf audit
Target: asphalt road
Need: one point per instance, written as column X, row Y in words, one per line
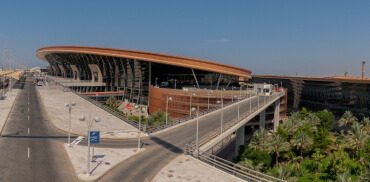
column 47, row 160
column 163, row 148
column 31, row 149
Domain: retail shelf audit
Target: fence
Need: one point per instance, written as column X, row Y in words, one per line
column 215, row 133
column 229, row 167
column 232, row 168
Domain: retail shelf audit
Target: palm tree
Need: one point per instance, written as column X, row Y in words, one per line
column 312, row 120
column 292, row 123
column 258, row 140
column 295, row 161
column 347, row 119
column 357, row 136
column 344, row 177
column 366, row 124
column 276, row 145
column 247, row 163
column 281, row 173
column 365, row 176
column 317, row 157
column 341, row 139
column 302, row 141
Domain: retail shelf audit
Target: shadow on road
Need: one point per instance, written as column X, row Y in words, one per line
column 167, row 145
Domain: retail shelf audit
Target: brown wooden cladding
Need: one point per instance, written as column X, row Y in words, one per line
column 147, row 56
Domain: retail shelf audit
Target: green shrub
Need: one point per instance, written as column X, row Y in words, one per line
column 257, row 157
column 310, row 165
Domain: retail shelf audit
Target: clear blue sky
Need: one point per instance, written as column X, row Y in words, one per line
column 314, row 38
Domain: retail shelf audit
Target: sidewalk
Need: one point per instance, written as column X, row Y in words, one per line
column 6, row 105
column 54, row 100
column 185, row 168
column 104, row 159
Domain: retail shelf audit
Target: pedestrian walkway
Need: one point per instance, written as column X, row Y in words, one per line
column 102, row 161
column 6, row 104
column 185, row 168
column 54, row 100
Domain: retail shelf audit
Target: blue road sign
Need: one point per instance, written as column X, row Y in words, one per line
column 94, row 137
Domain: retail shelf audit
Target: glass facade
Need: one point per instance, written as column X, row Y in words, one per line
column 133, row 76
column 315, row 95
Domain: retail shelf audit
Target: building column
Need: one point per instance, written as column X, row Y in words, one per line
column 276, row 115
column 239, row 140
column 76, row 72
column 95, row 69
column 263, row 119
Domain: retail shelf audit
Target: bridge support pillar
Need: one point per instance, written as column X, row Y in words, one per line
column 239, row 140
column 276, row 115
column 263, row 119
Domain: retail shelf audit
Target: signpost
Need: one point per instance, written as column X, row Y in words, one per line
column 128, row 106
column 94, row 138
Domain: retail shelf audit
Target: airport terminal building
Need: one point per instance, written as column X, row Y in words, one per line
column 145, row 78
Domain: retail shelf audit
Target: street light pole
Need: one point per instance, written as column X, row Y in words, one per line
column 208, row 98
column 139, row 140
column 89, row 125
column 69, row 127
column 191, row 96
column 170, row 98
column 4, row 71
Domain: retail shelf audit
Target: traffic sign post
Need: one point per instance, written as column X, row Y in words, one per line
column 128, row 106
column 94, row 138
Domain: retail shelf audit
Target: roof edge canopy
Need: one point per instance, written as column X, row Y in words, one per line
column 147, row 56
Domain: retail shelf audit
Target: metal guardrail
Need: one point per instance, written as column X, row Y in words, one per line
column 232, row 168
column 149, row 129
column 183, row 119
column 107, row 109
column 216, row 132
column 3, row 92
column 229, row 167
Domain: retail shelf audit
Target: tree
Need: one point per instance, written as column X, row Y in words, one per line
column 341, row 139
column 317, row 157
column 312, row 120
column 302, row 141
column 344, row 177
column 281, row 172
column 247, row 163
column 276, row 145
column 111, row 101
column 304, row 113
column 339, row 162
column 366, row 124
column 365, row 175
column 282, row 132
column 327, row 119
column 347, row 119
column 294, row 160
column 357, row 136
column 292, row 123
column 259, row 140
column 257, row 157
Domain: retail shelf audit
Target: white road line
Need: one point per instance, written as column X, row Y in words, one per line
column 28, row 130
column 28, row 109
column 28, row 103
column 28, row 117
column 28, row 152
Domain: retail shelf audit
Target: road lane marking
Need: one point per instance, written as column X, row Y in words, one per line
column 28, row 117
column 28, row 152
column 28, row 130
column 28, row 103
column 28, row 109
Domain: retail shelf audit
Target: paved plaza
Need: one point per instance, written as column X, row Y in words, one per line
column 54, row 100
column 102, row 161
column 185, row 168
